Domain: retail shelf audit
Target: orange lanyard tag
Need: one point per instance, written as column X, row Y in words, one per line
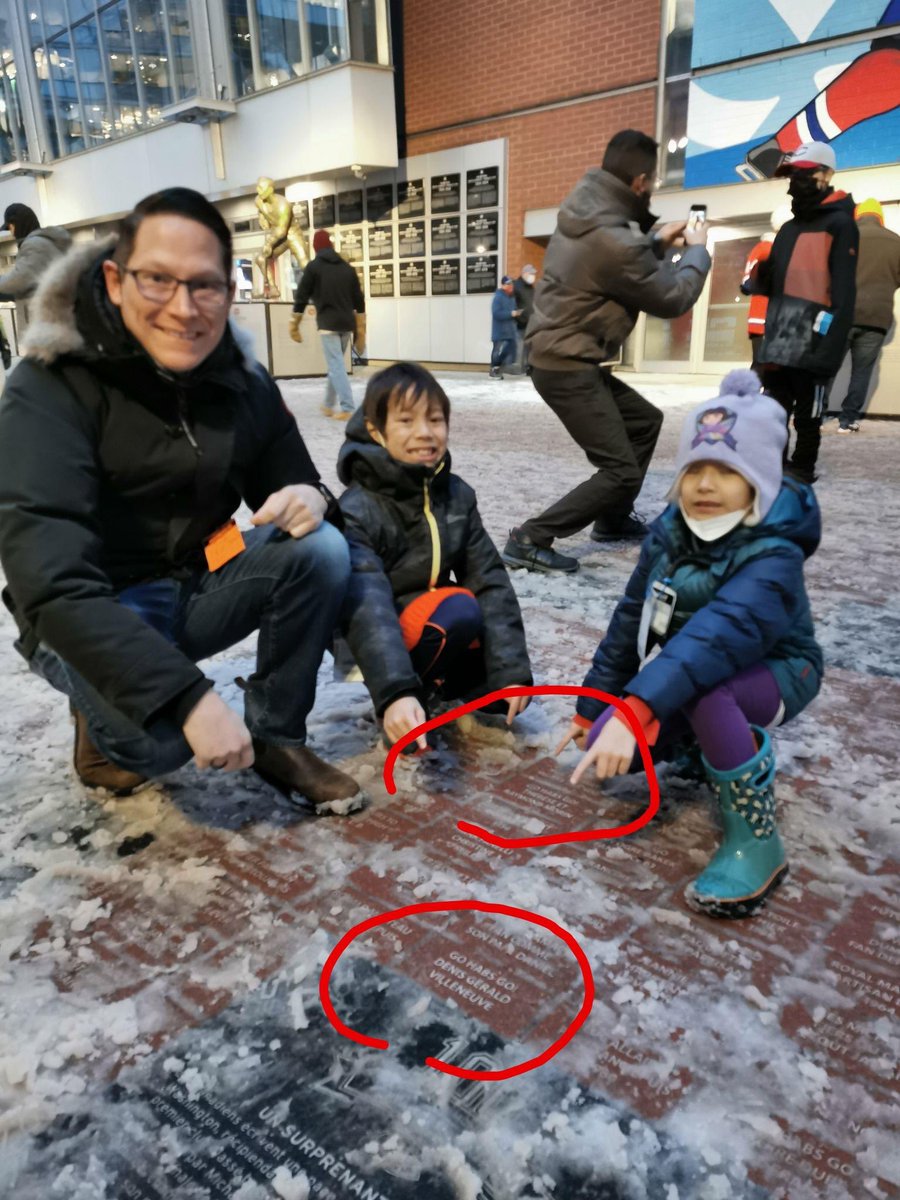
column 223, row 545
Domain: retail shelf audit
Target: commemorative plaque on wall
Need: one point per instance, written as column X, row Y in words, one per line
column 381, row 241
column 381, row 280
column 481, row 273
column 380, row 202
column 481, row 232
column 323, row 212
column 411, row 198
column 300, row 209
column 445, row 277
column 411, row 239
column 445, row 193
column 412, row 278
column 351, row 246
column 483, row 187
column 445, row 235
column 350, row 207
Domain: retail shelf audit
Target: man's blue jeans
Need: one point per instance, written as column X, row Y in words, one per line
column 334, row 347
column 864, row 346
column 289, row 589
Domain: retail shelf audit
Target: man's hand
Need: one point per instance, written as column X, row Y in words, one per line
column 294, row 327
column 575, row 733
column 516, row 705
column 402, row 716
column 611, row 754
column 696, row 236
column 670, row 234
column 217, row 735
column 298, row 509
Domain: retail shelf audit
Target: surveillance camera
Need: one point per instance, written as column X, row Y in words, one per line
column 357, row 170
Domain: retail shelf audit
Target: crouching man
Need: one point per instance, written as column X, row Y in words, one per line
column 129, row 435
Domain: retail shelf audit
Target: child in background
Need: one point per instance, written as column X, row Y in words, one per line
column 713, row 638
column 411, row 525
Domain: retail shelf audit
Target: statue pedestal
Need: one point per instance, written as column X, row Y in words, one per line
column 267, row 323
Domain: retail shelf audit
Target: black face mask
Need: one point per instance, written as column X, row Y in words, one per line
column 806, row 194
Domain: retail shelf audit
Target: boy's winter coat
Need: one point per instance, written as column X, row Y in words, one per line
column 410, row 528
column 811, row 268
column 741, row 601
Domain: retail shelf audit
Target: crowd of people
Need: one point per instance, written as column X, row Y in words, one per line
column 138, row 421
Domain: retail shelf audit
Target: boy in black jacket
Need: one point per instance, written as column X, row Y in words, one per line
column 411, row 525
column 810, row 279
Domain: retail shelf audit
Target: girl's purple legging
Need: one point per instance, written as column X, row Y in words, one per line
column 720, row 720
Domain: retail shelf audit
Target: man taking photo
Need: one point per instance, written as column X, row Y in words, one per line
column 603, row 268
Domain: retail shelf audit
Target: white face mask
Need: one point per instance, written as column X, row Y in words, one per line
column 713, row 528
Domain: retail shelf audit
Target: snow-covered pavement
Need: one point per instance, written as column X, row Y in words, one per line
column 161, row 1031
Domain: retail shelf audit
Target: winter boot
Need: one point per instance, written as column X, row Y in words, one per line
column 96, row 771
column 751, row 861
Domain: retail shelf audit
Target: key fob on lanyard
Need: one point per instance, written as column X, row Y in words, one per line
column 656, row 616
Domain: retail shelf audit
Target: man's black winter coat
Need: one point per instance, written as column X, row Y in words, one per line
column 113, row 472
column 332, row 285
column 411, row 528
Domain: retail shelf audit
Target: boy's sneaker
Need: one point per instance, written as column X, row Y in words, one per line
column 494, row 373
column 851, row 427
column 521, row 551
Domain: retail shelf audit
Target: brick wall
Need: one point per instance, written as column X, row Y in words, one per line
column 469, row 62
column 548, row 153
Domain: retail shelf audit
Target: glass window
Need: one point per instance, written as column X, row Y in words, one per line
column 726, row 324
column 363, row 30
column 182, row 48
column 327, row 33
column 54, row 14
column 152, row 55
column 679, row 39
column 239, row 39
column 126, row 102
column 668, row 340
column 279, row 40
column 12, row 133
column 62, row 77
column 42, row 70
column 98, row 125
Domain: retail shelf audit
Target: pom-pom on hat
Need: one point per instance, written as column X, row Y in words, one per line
column 741, row 429
column 321, row 239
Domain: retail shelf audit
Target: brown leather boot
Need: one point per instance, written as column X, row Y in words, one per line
column 94, row 770
column 297, row 769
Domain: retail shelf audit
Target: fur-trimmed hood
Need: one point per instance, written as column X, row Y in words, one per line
column 72, row 315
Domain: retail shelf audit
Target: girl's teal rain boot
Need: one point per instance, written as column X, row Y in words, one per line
column 751, row 861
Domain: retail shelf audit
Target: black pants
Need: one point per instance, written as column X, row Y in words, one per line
column 616, row 428
column 802, row 396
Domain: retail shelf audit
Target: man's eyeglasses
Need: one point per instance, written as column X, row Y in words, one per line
column 208, row 294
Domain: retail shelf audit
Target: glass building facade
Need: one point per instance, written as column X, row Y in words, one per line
column 102, row 69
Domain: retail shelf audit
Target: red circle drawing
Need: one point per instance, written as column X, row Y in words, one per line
column 553, row 839
column 521, row 914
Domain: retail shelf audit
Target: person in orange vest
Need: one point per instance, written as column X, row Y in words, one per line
column 756, row 317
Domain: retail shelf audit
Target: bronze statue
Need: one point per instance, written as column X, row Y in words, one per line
column 276, row 217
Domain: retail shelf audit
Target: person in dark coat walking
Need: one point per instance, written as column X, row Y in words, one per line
column 810, row 280
column 523, row 289
column 713, row 643
column 332, row 285
column 503, row 326
column 602, row 268
column 877, row 278
column 129, row 435
column 430, row 610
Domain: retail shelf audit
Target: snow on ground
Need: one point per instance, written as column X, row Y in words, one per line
column 161, row 1032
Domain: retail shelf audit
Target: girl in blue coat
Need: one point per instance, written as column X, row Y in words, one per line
column 713, row 638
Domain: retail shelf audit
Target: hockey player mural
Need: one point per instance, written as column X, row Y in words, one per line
column 745, row 119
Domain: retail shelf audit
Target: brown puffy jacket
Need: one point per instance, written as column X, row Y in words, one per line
column 600, row 271
column 877, row 274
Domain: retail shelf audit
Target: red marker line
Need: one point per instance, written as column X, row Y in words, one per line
column 437, row 1064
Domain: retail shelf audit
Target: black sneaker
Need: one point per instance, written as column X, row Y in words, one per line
column 521, row 551
column 494, row 373
column 627, row 528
